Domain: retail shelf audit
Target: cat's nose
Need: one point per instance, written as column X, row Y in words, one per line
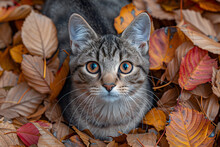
column 109, row 86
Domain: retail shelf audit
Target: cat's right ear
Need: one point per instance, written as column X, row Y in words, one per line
column 80, row 32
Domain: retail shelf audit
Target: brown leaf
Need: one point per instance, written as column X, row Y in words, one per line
column 204, row 90
column 39, row 112
column 156, row 11
column 14, row 13
column 60, row 79
column 213, row 17
column 21, row 100
column 61, row 130
column 54, row 65
column 3, row 94
column 8, row 79
column 77, row 141
column 17, row 38
column 85, row 138
column 216, row 81
column 185, row 95
column 112, row 144
column 202, row 41
column 47, row 139
column 10, row 138
column 33, row 70
column 139, row 4
column 5, row 35
column 17, row 51
column 147, row 139
column 39, row 35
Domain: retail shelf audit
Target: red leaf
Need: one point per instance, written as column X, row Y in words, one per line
column 195, row 68
column 29, row 134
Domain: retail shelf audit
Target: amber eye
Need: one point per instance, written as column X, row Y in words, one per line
column 92, row 67
column 126, row 67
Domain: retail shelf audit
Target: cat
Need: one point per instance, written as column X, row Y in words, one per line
column 108, row 89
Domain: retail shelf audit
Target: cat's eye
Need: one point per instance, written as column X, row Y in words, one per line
column 92, row 67
column 126, row 67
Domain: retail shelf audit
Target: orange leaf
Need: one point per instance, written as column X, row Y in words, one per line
column 162, row 45
column 189, row 128
column 195, row 68
column 60, row 79
column 156, row 118
column 17, row 52
column 210, row 5
column 126, row 16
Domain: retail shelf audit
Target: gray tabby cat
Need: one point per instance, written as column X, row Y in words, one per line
column 108, row 90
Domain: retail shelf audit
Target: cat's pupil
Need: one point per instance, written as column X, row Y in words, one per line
column 93, row 66
column 125, row 66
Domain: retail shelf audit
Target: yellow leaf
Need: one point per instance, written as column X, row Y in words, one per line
column 60, row 79
column 17, row 52
column 156, row 118
column 39, row 35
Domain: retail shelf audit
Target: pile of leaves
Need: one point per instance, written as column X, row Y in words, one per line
column 184, row 54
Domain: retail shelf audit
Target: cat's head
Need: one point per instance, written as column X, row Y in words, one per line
column 109, row 67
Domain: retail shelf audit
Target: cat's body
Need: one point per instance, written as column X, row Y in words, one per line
column 108, row 90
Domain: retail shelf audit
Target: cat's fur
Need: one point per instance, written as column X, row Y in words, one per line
column 86, row 103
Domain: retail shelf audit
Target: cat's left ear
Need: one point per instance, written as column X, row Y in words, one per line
column 80, row 32
column 138, row 32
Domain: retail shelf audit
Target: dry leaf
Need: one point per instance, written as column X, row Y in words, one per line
column 33, row 69
column 3, row 94
column 127, row 14
column 202, row 41
column 39, row 35
column 204, row 90
column 60, row 130
column 210, row 5
column 156, row 11
column 147, row 139
column 6, row 3
column 189, row 128
column 17, row 38
column 39, row 112
column 77, row 141
column 17, row 52
column 139, row 4
column 195, row 69
column 10, row 138
column 19, row 24
column 14, row 13
column 156, row 118
column 21, row 100
column 216, row 81
column 185, row 95
column 112, row 144
column 47, row 139
column 60, row 79
column 5, row 35
column 85, row 138
column 54, row 65
column 213, row 17
column 8, row 79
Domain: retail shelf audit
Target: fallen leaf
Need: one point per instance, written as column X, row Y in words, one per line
column 39, row 112
column 156, row 11
column 60, row 130
column 213, row 17
column 210, row 5
column 7, row 138
column 60, row 78
column 14, row 13
column 147, row 139
column 156, row 118
column 47, row 139
column 185, row 95
column 216, row 81
column 202, row 41
column 77, row 141
column 17, row 52
column 39, row 35
column 6, row 3
column 21, row 100
column 29, row 134
column 204, row 90
column 112, row 144
column 17, row 38
column 85, row 138
column 162, row 45
column 54, row 65
column 188, row 127
column 5, row 35
column 195, row 68
column 127, row 14
column 7, row 63
column 3, row 94
column 139, row 4
column 33, row 69
column 8, row 79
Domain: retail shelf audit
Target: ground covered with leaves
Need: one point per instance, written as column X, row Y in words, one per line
column 184, row 54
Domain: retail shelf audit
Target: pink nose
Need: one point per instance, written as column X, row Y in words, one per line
column 109, row 86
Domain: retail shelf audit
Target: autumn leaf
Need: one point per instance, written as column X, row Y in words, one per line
column 188, row 127
column 17, row 38
column 14, row 13
column 156, row 118
column 8, row 79
column 147, row 139
column 21, row 100
column 5, row 35
column 29, row 134
column 54, row 65
column 17, row 51
column 216, row 81
column 39, row 35
column 33, row 69
column 162, row 45
column 127, row 14
column 195, row 69
column 202, row 41
column 210, row 5
column 7, row 138
column 139, row 4
column 60, row 78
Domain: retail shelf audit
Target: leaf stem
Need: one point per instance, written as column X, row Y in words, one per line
column 155, row 88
